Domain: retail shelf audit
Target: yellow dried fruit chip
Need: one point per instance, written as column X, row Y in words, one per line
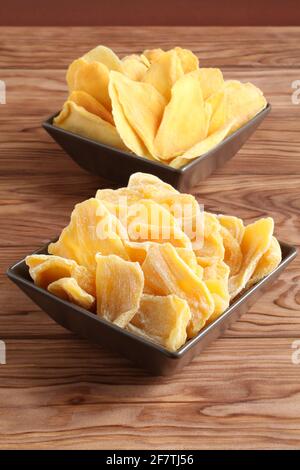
column 76, row 119
column 104, row 55
column 233, row 254
column 211, row 80
column 125, row 130
column 163, row 320
column 134, row 66
column 256, row 241
column 216, row 277
column 153, row 54
column 244, row 101
column 189, row 61
column 267, row 263
column 164, row 72
column 45, row 269
column 166, row 273
column 67, row 288
column 234, row 225
column 212, row 239
column 142, row 105
column 92, row 229
column 88, row 102
column 119, row 285
column 202, row 147
column 185, row 120
column 93, row 78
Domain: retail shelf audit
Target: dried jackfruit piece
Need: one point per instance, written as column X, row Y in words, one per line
column 93, row 78
column 104, row 55
column 135, row 66
column 211, row 80
column 244, row 101
column 67, row 288
column 92, row 229
column 256, row 241
column 148, row 185
column 164, row 72
column 125, row 130
column 137, row 251
column 189, row 61
column 163, row 320
column 216, row 277
column 233, row 254
column 153, row 54
column 142, row 105
column 166, row 273
column 77, row 119
column 267, row 263
column 45, row 269
column 202, row 147
column 119, row 285
column 88, row 102
column 212, row 239
column 183, row 207
column 185, row 119
column 149, row 221
column 234, row 225
column 218, row 102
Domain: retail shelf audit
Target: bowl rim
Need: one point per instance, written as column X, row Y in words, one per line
column 48, row 124
column 286, row 259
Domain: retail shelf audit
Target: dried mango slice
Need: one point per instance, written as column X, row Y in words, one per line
column 216, row 277
column 125, row 130
column 185, row 120
column 164, row 72
column 166, row 273
column 202, row 147
column 93, row 78
column 45, row 269
column 104, row 55
column 76, row 119
column 189, row 61
column 234, row 225
column 153, row 54
column 244, row 101
column 163, row 320
column 233, row 254
column 142, row 106
column 92, row 229
column 212, row 239
column 135, row 66
column 88, row 102
column 256, row 241
column 211, row 80
column 267, row 263
column 67, row 288
column 119, row 285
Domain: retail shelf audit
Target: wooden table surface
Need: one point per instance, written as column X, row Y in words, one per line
column 58, row 391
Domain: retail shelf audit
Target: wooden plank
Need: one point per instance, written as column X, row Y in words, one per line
column 63, row 394
column 55, row 47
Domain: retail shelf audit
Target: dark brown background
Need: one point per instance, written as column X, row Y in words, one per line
column 149, row 12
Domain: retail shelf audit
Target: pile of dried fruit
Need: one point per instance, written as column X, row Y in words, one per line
column 146, row 258
column 160, row 105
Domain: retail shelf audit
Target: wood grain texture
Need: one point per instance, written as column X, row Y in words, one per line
column 57, row 391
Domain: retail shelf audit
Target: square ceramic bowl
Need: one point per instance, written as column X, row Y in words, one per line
column 156, row 359
column 117, row 166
